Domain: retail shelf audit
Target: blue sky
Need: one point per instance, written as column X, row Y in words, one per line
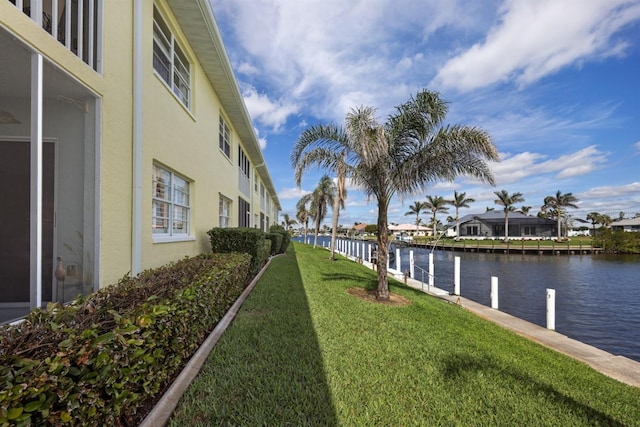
column 556, row 83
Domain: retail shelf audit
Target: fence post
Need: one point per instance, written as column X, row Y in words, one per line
column 456, row 276
column 412, row 265
column 494, row 292
column 551, row 309
column 431, row 273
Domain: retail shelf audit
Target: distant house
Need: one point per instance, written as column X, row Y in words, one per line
column 408, row 230
column 358, row 229
column 631, row 224
column 491, row 225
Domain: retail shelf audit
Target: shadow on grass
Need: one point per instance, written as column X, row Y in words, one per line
column 461, row 368
column 267, row 369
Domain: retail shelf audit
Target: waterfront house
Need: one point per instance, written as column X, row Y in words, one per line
column 629, row 224
column 123, row 139
column 490, row 224
column 407, row 231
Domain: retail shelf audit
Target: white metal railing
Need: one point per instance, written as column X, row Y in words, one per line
column 244, row 183
column 75, row 24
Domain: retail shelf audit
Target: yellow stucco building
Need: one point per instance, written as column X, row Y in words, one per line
column 123, row 139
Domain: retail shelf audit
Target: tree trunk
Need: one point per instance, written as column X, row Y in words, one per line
column 559, row 225
column 382, row 292
column 315, row 240
column 336, row 214
column 506, row 227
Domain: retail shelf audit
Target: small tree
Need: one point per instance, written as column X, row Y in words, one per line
column 507, row 201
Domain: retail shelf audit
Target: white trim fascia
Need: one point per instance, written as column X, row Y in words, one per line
column 35, row 211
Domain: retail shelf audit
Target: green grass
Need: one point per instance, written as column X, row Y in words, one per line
column 303, row 351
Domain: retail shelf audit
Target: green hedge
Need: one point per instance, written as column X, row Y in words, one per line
column 619, row 241
column 276, row 242
column 247, row 240
column 286, row 237
column 101, row 359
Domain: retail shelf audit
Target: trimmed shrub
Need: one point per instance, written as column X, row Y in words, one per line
column 247, row 240
column 276, row 242
column 101, row 359
column 286, row 237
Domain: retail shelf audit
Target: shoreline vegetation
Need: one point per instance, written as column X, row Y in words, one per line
column 304, row 350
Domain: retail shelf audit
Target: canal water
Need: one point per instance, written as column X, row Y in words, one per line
column 597, row 296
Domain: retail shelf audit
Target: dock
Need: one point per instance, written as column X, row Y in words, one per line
column 511, row 247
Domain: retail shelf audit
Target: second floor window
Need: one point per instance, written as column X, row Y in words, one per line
column 169, row 61
column 225, row 137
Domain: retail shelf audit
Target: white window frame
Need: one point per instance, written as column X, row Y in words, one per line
column 224, row 212
column 167, row 51
column 225, row 137
column 175, row 196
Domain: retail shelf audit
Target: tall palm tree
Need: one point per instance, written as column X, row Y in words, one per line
column 411, row 149
column 416, row 209
column 436, row 204
column 321, row 197
column 559, row 203
column 305, row 154
column 460, row 200
column 303, row 212
column 507, row 201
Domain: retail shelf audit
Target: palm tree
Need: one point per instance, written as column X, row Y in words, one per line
column 411, row 149
column 507, row 201
column 524, row 210
column 304, row 155
column 436, row 204
column 416, row 209
column 595, row 218
column 303, row 212
column 460, row 200
column 287, row 221
column 321, row 197
column 558, row 203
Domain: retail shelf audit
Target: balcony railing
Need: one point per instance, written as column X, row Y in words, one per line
column 76, row 24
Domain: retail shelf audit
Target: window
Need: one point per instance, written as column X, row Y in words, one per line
column 529, row 230
column 243, row 162
column 472, row 230
column 244, row 165
column 225, row 138
column 169, row 60
column 243, row 213
column 170, row 203
column 225, row 212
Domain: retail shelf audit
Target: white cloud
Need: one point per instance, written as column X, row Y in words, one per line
column 273, row 114
column 537, row 38
column 637, row 147
column 318, row 52
column 292, row 193
column 515, row 168
column 608, row 191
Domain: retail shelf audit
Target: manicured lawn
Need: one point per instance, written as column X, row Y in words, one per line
column 303, row 351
